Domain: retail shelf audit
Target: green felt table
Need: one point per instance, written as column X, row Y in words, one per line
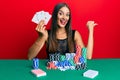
column 109, row 69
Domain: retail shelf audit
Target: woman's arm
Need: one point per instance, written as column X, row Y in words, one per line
column 36, row 47
column 90, row 45
column 78, row 39
column 90, row 25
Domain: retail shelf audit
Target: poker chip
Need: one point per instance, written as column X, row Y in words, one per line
column 35, row 63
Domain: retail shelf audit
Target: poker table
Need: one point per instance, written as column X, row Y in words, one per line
column 109, row 69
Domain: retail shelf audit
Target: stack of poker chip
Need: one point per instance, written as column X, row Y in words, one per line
column 84, row 54
column 35, row 63
column 71, row 61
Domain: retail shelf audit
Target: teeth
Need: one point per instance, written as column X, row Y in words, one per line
column 63, row 21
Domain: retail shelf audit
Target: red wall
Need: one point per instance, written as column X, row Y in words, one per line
column 17, row 32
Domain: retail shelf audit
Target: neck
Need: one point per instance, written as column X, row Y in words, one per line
column 60, row 31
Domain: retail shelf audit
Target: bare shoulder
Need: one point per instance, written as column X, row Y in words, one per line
column 78, row 39
column 77, row 34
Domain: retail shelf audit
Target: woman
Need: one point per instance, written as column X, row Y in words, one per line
column 61, row 38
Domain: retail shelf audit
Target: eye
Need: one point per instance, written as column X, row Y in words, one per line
column 60, row 13
column 68, row 15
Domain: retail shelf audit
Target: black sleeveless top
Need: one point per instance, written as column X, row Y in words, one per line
column 62, row 45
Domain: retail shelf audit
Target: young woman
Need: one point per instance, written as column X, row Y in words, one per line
column 61, row 38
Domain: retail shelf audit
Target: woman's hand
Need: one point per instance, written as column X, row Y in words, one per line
column 91, row 25
column 41, row 29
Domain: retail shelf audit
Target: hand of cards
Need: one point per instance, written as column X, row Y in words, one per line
column 41, row 15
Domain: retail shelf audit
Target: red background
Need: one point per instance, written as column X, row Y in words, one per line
column 17, row 32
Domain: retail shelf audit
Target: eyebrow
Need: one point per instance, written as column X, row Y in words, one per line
column 63, row 12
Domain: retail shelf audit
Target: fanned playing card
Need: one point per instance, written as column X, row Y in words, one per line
column 41, row 15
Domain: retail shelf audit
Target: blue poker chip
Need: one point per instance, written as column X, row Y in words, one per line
column 81, row 60
column 35, row 63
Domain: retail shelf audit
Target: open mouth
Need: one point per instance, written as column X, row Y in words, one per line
column 63, row 21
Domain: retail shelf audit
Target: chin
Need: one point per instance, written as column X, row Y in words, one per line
column 62, row 26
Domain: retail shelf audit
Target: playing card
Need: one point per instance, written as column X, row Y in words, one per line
column 38, row 72
column 41, row 15
column 35, row 19
column 90, row 73
column 47, row 17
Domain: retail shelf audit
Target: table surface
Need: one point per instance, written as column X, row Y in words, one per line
column 109, row 69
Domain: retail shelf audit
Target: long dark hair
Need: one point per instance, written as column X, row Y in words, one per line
column 52, row 40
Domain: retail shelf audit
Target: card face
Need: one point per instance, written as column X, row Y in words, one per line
column 90, row 73
column 47, row 17
column 38, row 72
column 35, row 19
column 41, row 15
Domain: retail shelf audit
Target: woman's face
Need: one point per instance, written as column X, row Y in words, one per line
column 63, row 16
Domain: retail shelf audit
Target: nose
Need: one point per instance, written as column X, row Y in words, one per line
column 64, row 17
